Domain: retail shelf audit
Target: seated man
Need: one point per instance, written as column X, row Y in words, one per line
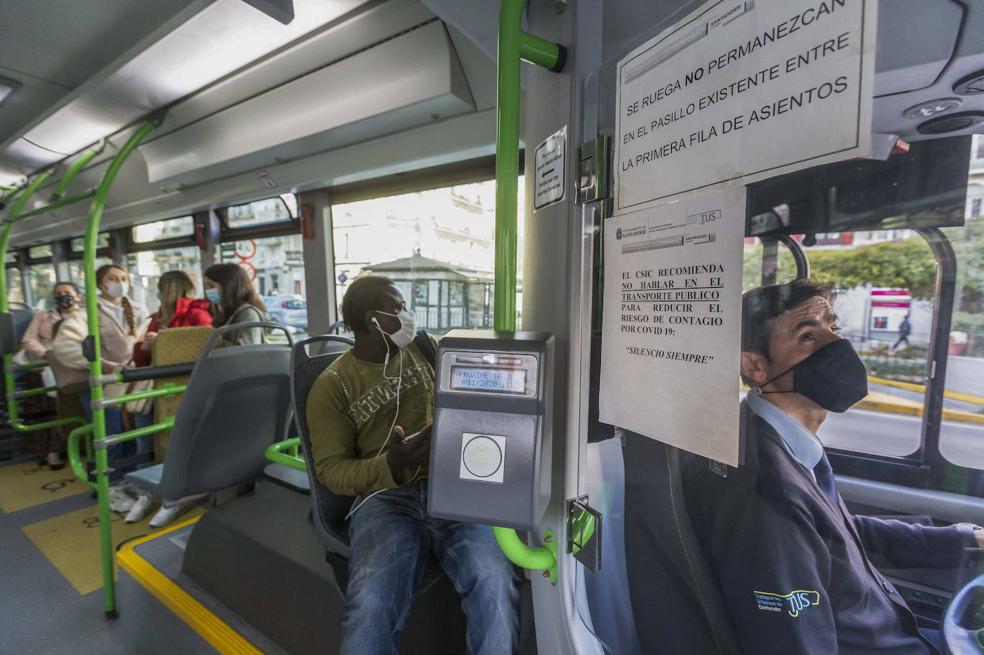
column 359, row 412
column 790, row 560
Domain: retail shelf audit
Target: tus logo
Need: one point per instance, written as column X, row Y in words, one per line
column 794, row 602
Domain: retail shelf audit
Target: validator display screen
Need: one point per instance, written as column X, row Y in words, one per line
column 489, row 380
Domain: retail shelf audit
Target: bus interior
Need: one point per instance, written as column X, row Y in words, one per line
column 313, row 143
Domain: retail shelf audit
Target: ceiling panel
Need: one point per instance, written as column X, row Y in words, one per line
column 87, row 36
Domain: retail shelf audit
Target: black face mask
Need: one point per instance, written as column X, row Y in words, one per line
column 833, row 377
column 64, row 301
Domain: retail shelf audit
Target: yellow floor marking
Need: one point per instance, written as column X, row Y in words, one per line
column 71, row 543
column 27, row 484
column 210, row 627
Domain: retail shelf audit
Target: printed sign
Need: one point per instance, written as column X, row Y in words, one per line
column 672, row 323
column 550, row 160
column 743, row 90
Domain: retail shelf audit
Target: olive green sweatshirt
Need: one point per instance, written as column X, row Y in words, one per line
column 350, row 410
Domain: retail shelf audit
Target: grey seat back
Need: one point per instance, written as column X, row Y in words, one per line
column 309, row 359
column 22, row 315
column 236, row 404
column 675, row 599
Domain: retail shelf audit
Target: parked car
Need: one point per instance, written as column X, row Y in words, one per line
column 288, row 310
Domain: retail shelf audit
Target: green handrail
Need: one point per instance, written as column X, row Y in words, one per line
column 285, row 452
column 169, row 389
column 514, row 45
column 55, row 204
column 75, row 457
column 95, row 368
column 526, row 557
column 70, row 174
column 20, row 201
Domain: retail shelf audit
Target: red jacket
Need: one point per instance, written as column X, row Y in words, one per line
column 188, row 313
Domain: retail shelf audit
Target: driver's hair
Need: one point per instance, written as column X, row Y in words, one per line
column 762, row 304
column 367, row 292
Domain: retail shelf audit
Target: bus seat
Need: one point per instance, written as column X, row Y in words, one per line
column 309, row 359
column 328, row 510
column 22, row 318
column 178, row 346
column 675, row 599
column 237, row 403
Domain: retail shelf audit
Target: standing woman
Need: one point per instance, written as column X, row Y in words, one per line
column 36, row 343
column 235, row 301
column 179, row 308
column 119, row 325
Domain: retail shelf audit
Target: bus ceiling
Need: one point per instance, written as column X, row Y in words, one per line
column 267, row 107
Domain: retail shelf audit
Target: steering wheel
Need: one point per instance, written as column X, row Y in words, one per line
column 963, row 622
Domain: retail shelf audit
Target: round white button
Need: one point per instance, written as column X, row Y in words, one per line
column 482, row 456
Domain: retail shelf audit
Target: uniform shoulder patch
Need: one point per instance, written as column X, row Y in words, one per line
column 795, row 602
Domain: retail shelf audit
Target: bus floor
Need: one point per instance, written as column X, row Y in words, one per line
column 41, row 612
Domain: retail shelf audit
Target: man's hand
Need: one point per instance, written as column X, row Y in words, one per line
column 406, row 455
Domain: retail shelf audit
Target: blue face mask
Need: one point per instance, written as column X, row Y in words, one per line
column 213, row 295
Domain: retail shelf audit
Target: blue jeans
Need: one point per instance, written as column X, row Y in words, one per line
column 391, row 536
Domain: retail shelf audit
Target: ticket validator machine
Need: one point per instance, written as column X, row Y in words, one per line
column 491, row 442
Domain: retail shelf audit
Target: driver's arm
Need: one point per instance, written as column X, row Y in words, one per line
column 909, row 545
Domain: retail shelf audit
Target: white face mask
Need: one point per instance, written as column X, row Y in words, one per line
column 117, row 289
column 408, row 330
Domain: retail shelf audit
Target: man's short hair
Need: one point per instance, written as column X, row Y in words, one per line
column 762, row 304
column 366, row 293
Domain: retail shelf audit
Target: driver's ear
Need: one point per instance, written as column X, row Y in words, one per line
column 368, row 319
column 754, row 367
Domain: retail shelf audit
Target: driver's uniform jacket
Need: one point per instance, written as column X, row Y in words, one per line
column 793, row 567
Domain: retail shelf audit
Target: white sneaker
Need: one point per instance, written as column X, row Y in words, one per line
column 167, row 514
column 119, row 500
column 140, row 509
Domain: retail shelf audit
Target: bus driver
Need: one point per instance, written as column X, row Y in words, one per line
column 359, row 411
column 791, row 562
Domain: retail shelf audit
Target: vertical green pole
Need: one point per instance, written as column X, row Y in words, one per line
column 5, row 233
column 95, row 367
column 507, row 164
column 514, row 46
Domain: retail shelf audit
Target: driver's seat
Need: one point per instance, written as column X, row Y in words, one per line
column 675, row 599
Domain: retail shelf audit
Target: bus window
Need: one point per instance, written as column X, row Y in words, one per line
column 885, row 281
column 962, row 428
column 881, row 278
column 167, row 229
column 276, row 267
column 260, row 212
column 438, row 246
column 779, row 264
column 41, row 279
column 76, row 268
column 15, row 290
column 78, row 244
